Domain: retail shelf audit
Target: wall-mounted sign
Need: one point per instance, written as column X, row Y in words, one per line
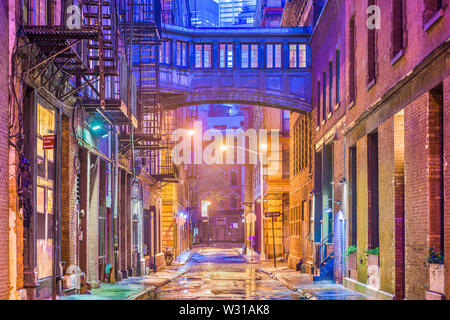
column 49, row 142
column 272, row 214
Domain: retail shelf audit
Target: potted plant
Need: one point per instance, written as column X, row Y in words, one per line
column 435, row 262
column 351, row 255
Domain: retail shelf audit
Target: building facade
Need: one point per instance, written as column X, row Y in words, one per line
column 204, row 13
column 380, row 144
column 236, row 13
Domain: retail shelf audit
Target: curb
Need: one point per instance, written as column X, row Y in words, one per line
column 182, row 264
column 141, row 295
column 279, row 278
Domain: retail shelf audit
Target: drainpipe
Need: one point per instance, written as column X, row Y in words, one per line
column 57, row 215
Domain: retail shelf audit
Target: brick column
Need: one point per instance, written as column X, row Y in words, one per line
column 391, row 186
column 4, row 144
column 362, row 207
column 423, row 165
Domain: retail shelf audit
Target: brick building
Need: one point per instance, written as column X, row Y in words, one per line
column 82, row 198
column 4, row 143
column 380, row 143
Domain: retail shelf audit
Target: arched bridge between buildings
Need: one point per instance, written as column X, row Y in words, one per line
column 254, row 66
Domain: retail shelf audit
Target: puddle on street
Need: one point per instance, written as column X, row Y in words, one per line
column 223, row 286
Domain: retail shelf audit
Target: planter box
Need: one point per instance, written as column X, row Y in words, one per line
column 373, row 271
column 373, row 263
column 437, row 278
column 352, row 261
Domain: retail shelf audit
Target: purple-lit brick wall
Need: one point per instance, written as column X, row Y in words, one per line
column 446, row 90
column 4, row 146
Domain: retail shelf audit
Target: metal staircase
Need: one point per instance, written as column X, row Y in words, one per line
column 324, row 260
column 141, row 25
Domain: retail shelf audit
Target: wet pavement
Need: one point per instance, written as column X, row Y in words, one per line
column 222, row 274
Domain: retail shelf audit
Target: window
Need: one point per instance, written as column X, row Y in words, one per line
column 302, row 143
column 181, row 54
column 353, row 194
column 36, row 12
column 373, row 218
column 352, row 71
column 226, row 55
column 286, row 117
column 397, row 27
column 285, row 162
column 371, row 52
column 431, row 9
column 249, row 56
column 338, row 76
column 273, row 56
column 45, row 163
column 330, row 96
column 164, row 52
column 318, row 103
column 233, row 202
column 297, row 56
column 233, row 178
column 203, row 56
column 324, row 93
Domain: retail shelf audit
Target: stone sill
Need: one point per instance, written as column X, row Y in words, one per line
column 351, row 105
column 371, row 84
column 397, row 57
column 434, row 20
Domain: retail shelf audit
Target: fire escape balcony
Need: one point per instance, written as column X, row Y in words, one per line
column 115, row 112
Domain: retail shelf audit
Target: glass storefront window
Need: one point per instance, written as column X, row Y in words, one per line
column 45, row 162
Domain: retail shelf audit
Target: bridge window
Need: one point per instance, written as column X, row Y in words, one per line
column 181, row 54
column 249, row 56
column 297, row 55
column 203, row 56
column 273, row 56
column 164, row 52
column 226, row 55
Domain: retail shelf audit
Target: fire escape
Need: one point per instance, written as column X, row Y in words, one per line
column 141, row 25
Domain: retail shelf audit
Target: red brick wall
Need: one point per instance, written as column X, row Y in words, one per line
column 4, row 145
column 68, row 194
column 447, row 183
column 420, row 44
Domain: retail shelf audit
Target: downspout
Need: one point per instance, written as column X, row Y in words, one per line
column 57, row 215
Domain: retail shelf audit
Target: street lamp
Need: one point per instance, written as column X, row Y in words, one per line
column 263, row 146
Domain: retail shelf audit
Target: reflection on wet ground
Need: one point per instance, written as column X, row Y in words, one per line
column 221, row 274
